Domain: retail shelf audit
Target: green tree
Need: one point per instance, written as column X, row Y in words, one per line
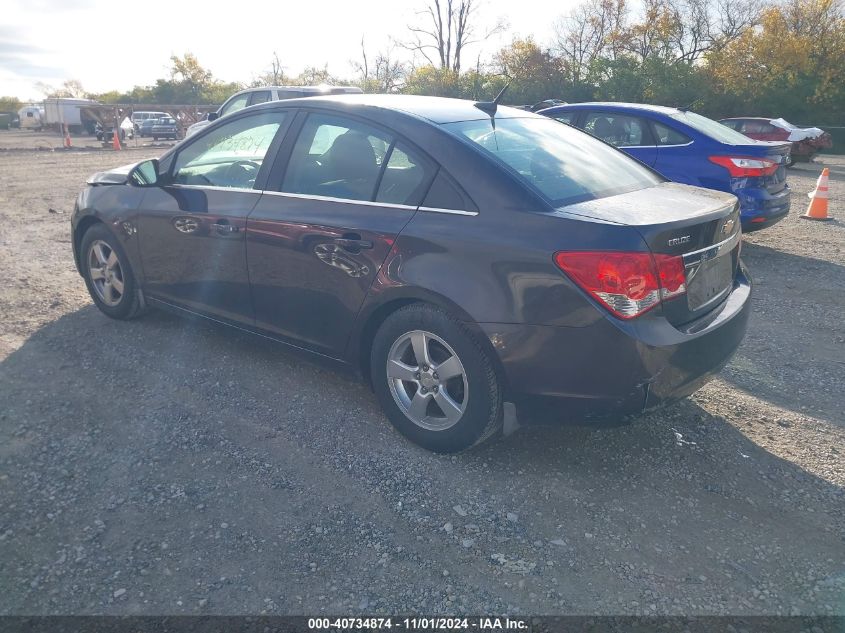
column 534, row 73
column 10, row 104
column 795, row 59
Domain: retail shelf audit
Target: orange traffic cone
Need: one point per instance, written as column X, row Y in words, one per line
column 68, row 144
column 115, row 142
column 818, row 199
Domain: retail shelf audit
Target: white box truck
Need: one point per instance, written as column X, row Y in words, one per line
column 61, row 111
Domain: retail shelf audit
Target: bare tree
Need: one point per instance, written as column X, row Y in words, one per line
column 277, row 73
column 275, row 76
column 591, row 30
column 385, row 74
column 733, row 18
column 448, row 27
column 72, row 88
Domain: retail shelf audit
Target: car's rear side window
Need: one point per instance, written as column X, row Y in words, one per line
column 666, row 135
column 262, row 96
column 444, row 193
column 336, row 157
column 563, row 163
column 405, row 177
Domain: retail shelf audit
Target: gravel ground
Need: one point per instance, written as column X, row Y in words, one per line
column 168, row 466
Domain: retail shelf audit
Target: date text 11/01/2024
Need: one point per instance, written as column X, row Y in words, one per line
column 418, row 624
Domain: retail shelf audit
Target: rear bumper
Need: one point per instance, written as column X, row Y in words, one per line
column 611, row 369
column 758, row 208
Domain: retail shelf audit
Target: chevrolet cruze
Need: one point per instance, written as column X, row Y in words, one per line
column 477, row 264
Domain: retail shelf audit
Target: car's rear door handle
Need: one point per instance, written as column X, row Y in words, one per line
column 353, row 243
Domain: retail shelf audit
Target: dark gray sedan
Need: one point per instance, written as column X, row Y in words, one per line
column 477, row 265
column 165, row 127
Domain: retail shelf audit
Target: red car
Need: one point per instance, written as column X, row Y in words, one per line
column 806, row 141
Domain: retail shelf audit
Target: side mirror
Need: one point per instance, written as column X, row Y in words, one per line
column 213, row 116
column 144, row 174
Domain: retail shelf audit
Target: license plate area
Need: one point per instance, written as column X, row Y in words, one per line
column 710, row 273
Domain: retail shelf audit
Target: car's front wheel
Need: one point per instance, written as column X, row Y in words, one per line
column 108, row 274
column 434, row 381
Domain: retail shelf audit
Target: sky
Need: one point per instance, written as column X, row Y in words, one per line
column 114, row 46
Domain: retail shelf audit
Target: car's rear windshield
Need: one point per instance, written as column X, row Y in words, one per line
column 711, row 128
column 563, row 163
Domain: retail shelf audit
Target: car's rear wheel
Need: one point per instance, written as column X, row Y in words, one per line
column 435, row 382
column 108, row 274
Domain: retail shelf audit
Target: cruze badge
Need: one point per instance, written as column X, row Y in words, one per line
column 677, row 241
column 728, row 226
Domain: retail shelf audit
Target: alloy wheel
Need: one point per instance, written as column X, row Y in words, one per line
column 105, row 272
column 427, row 380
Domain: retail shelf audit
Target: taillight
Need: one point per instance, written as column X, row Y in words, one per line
column 744, row 167
column 627, row 284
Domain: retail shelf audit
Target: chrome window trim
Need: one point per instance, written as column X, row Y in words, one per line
column 448, row 211
column 675, row 145
column 368, row 203
column 215, row 188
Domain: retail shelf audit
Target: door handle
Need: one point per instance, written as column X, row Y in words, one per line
column 353, row 243
column 224, row 228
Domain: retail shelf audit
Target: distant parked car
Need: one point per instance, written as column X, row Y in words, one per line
column 146, row 127
column 542, row 105
column 139, row 116
column 806, row 141
column 253, row 96
column 692, row 149
column 165, row 128
column 106, row 134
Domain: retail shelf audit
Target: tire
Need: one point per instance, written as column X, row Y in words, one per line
column 474, row 396
column 122, row 305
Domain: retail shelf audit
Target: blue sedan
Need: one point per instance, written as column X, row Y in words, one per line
column 689, row 148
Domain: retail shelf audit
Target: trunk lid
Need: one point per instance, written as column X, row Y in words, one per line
column 700, row 225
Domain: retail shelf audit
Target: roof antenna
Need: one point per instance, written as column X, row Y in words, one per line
column 490, row 106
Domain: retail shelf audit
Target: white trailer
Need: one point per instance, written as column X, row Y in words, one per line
column 32, row 117
column 59, row 112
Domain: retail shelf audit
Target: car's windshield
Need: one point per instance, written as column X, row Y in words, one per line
column 711, row 128
column 564, row 164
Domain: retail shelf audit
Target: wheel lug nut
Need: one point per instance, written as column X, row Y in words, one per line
column 435, row 390
column 425, row 367
column 417, row 375
column 423, row 389
column 436, row 377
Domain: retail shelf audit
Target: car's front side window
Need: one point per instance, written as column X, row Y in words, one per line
column 238, row 103
column 336, row 157
column 230, row 155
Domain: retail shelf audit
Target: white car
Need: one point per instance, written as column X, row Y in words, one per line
column 253, row 96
